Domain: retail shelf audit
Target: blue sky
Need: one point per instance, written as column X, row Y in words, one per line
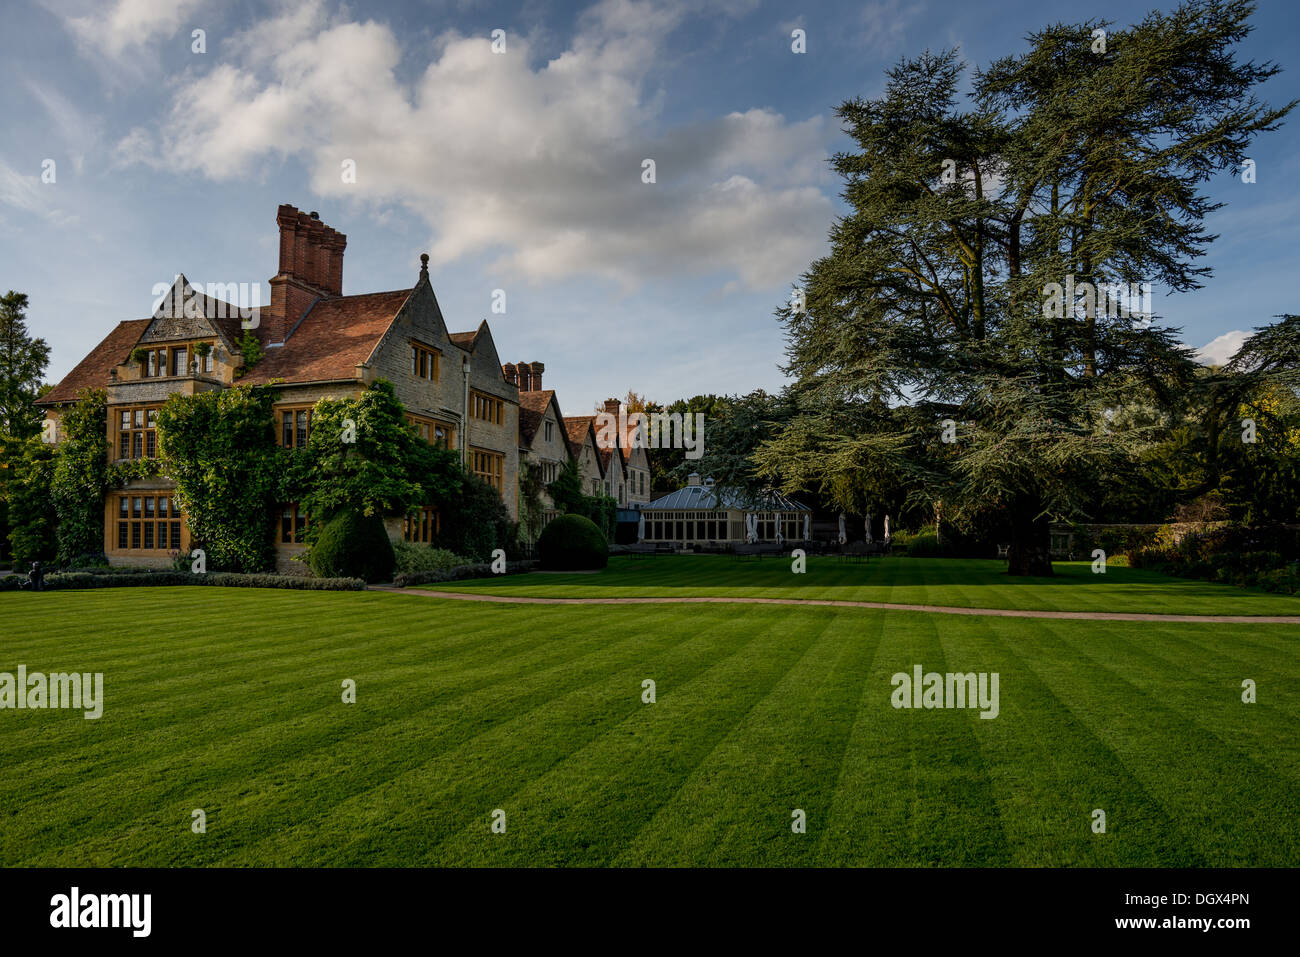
column 520, row 171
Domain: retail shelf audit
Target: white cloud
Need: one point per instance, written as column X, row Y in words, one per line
column 27, row 193
column 1219, row 350
column 19, row 191
column 884, row 23
column 537, row 164
column 78, row 132
column 115, row 29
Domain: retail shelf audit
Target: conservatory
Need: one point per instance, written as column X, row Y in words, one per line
column 702, row 513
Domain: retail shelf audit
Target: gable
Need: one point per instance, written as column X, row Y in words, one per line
column 636, row 457
column 185, row 313
column 420, row 317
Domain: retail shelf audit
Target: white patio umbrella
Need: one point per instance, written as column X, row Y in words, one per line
column 640, row 527
column 886, row 529
column 866, row 524
column 807, row 526
column 844, row 535
column 751, row 527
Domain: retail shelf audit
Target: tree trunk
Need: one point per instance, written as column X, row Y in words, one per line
column 1031, row 543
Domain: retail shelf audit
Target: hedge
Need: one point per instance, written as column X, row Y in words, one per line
column 461, row 571
column 134, row 578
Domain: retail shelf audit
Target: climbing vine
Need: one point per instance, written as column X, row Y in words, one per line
column 251, row 349
column 219, row 448
column 79, row 479
column 120, row 474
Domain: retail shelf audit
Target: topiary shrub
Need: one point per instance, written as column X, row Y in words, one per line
column 572, row 543
column 353, row 545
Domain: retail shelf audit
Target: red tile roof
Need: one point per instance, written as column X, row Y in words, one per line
column 92, row 371
column 331, row 340
column 577, row 427
column 532, row 410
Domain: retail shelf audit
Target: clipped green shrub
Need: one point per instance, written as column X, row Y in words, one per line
column 572, row 543
column 353, row 545
column 148, row 578
column 413, row 557
column 478, row 570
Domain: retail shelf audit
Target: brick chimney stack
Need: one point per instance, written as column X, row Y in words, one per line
column 611, row 406
column 525, row 376
column 536, row 380
column 311, row 267
column 511, row 372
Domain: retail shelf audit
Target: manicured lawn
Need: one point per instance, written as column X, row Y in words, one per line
column 909, row 581
column 229, row 700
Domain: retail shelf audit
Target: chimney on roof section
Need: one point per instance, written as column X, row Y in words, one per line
column 525, row 376
column 511, row 373
column 535, row 380
column 611, row 406
column 311, row 266
column 310, row 251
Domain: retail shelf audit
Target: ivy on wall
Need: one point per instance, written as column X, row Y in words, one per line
column 79, row 480
column 251, row 349
column 119, row 474
column 531, row 507
column 219, row 448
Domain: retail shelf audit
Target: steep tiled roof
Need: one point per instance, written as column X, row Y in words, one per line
column 331, row 340
column 532, row 410
column 92, row 371
column 463, row 339
column 577, row 427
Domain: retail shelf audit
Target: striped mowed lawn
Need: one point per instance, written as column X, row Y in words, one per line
column 229, row 700
column 967, row 583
